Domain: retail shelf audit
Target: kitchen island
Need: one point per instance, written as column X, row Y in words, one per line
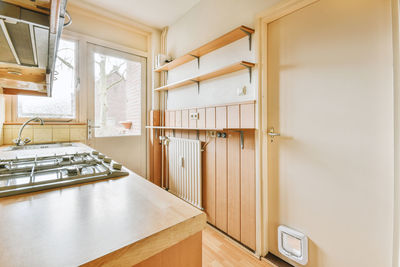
column 124, row 221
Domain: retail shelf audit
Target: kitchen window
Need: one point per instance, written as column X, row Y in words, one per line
column 62, row 104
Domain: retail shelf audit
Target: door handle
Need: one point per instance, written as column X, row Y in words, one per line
column 272, row 133
column 90, row 128
column 90, row 125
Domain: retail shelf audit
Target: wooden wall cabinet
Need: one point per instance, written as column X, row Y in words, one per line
column 210, row 118
column 221, row 119
column 185, row 118
column 248, row 192
column 178, row 118
column 229, row 181
column 247, row 116
column 231, row 116
column 201, row 122
column 221, row 184
column 192, row 122
column 234, row 183
column 229, row 184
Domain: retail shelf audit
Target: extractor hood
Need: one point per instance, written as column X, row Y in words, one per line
column 30, row 32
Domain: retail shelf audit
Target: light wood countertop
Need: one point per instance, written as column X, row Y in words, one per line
column 115, row 222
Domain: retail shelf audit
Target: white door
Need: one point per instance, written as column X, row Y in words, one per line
column 117, row 106
column 330, row 97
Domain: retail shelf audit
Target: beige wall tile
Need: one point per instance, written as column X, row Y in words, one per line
column 60, row 134
column 42, row 135
column 78, row 133
column 7, row 135
column 77, row 127
column 26, row 133
column 1, row 134
column 42, row 126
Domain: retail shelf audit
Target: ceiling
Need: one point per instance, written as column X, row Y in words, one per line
column 154, row 13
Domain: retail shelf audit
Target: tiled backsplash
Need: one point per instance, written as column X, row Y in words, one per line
column 1, row 134
column 46, row 133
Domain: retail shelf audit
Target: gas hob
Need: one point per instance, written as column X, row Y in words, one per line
column 22, row 175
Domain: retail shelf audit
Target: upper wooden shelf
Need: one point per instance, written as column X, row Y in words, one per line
column 42, row 6
column 229, row 69
column 224, row 40
column 22, row 80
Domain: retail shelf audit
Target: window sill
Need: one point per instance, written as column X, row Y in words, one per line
column 46, row 122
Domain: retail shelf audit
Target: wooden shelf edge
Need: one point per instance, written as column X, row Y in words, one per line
column 220, row 72
column 219, row 105
column 197, row 129
column 12, row 91
column 41, row 6
column 230, row 37
column 47, row 123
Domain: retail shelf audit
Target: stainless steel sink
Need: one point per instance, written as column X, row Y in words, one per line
column 38, row 146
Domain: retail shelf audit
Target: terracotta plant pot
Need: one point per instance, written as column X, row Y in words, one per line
column 126, row 124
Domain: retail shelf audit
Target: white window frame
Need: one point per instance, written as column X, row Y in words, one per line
column 82, row 76
column 109, row 51
column 14, row 103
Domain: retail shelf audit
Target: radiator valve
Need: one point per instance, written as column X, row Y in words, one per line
column 221, row 135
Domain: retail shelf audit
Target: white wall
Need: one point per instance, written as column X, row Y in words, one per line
column 96, row 22
column 206, row 21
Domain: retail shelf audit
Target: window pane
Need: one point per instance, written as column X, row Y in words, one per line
column 117, row 96
column 62, row 103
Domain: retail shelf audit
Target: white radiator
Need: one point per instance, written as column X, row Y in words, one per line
column 184, row 170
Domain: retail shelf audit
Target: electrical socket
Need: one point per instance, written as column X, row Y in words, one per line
column 194, row 116
column 241, row 91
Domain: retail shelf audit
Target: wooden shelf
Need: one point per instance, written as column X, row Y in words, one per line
column 224, row 40
column 42, row 6
column 241, row 130
column 196, row 129
column 28, row 80
column 229, row 69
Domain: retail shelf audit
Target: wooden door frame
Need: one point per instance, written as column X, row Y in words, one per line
column 396, row 97
column 265, row 17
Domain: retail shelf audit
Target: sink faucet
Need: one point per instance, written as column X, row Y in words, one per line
column 19, row 141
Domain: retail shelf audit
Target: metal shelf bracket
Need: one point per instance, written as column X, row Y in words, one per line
column 249, row 35
column 198, row 85
column 250, row 71
column 198, row 60
column 241, row 139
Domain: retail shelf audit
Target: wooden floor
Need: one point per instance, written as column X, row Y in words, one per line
column 219, row 251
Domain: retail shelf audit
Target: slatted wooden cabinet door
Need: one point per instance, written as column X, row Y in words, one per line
column 229, row 180
column 229, row 185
